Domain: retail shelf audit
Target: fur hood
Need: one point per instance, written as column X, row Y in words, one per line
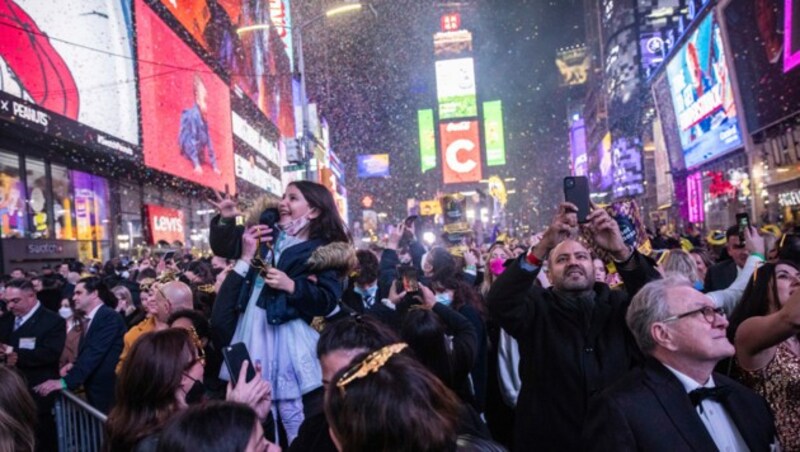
column 339, row 256
column 261, row 204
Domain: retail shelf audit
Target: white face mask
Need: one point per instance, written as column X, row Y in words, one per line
column 65, row 312
column 294, row 227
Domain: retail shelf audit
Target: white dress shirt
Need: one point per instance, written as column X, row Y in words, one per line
column 30, row 313
column 715, row 418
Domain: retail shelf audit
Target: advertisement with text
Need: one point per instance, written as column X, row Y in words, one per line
column 461, row 151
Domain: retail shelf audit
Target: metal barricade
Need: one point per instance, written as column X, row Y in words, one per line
column 80, row 425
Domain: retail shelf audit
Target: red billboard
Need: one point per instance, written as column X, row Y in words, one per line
column 164, row 224
column 186, row 128
column 461, row 151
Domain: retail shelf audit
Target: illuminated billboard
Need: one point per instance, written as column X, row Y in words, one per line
column 257, row 60
column 493, row 133
column 66, row 68
column 791, row 35
column 187, row 131
column 694, row 197
column 664, row 185
column 628, row 171
column 455, row 88
column 601, row 166
column 256, row 158
column 164, row 224
column 452, row 43
column 461, row 151
column 573, row 64
column 769, row 93
column 427, row 140
column 373, row 165
column 702, row 96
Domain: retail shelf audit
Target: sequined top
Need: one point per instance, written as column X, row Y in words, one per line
column 779, row 383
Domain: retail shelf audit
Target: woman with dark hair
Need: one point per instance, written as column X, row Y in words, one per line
column 160, row 371
column 284, row 278
column 450, row 290
column 214, row 388
column 765, row 328
column 215, row 427
column 387, row 401
column 17, row 413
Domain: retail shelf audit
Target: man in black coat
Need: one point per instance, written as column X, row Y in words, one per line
column 36, row 335
column 98, row 351
column 722, row 275
column 366, row 291
column 572, row 337
column 676, row 402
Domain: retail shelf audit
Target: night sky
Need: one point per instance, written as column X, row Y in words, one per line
column 371, row 75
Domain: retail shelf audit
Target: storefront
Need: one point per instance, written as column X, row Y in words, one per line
column 725, row 190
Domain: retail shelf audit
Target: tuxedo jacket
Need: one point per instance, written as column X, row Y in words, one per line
column 38, row 343
column 649, row 410
column 720, row 276
column 98, row 354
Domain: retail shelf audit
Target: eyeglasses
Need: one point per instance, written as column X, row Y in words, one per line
column 709, row 313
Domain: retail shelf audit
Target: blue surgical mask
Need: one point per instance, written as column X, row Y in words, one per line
column 444, row 298
column 698, row 285
column 369, row 291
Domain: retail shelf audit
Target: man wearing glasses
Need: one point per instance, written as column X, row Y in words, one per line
column 676, row 401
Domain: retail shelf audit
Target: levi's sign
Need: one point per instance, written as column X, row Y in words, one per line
column 165, row 224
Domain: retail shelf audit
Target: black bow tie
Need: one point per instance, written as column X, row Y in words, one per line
column 717, row 394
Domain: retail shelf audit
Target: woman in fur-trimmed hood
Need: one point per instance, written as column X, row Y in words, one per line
column 291, row 265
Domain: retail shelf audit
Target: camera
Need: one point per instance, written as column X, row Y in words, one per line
column 569, row 182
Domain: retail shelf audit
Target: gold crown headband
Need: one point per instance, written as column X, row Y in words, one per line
column 370, row 364
column 206, row 288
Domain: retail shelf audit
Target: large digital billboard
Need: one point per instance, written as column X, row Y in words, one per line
column 461, row 151
column 258, row 59
column 455, row 88
column 702, row 96
column 66, row 68
column 427, row 140
column 373, row 165
column 768, row 93
column 494, row 133
column 601, row 167
column 187, row 129
column 256, row 155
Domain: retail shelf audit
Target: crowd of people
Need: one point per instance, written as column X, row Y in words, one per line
column 535, row 344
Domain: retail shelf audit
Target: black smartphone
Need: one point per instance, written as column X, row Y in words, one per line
column 234, row 355
column 410, row 220
column 743, row 221
column 576, row 191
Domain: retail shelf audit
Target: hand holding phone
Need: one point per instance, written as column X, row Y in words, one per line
column 743, row 222
column 576, row 191
column 234, row 356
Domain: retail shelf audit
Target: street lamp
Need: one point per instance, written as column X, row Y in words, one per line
column 298, row 40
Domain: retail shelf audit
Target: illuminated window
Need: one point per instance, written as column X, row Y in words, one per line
column 37, row 199
column 12, row 202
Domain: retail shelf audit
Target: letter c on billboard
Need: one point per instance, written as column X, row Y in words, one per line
column 451, row 156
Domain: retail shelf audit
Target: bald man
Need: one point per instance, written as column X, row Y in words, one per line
column 572, row 336
column 159, row 302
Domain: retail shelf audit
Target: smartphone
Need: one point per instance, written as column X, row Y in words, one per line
column 576, row 191
column 234, row 355
column 410, row 281
column 410, row 220
column 169, row 255
column 743, row 221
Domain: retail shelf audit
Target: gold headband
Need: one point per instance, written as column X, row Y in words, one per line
column 206, row 288
column 370, row 364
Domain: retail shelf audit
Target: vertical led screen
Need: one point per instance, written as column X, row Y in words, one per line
column 257, row 60
column 66, row 68
column 791, row 33
column 373, row 165
column 461, row 151
column 187, row 131
column 494, row 133
column 694, row 197
column 455, row 88
column 427, row 140
column 577, row 145
column 702, row 95
column 628, row 174
column 768, row 93
column 601, row 166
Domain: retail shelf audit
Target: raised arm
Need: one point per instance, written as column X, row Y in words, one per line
column 758, row 337
column 728, row 298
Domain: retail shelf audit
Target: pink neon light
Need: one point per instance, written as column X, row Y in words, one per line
column 790, row 60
